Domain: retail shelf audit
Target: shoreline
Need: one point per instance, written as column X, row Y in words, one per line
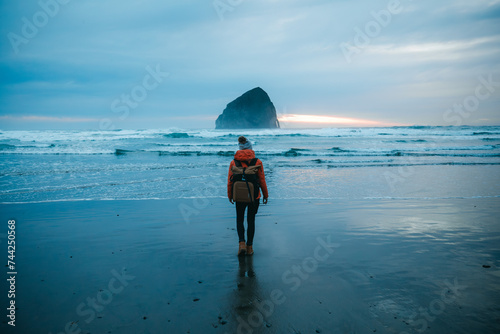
column 216, row 198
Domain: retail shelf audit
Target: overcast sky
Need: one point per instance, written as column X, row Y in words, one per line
column 98, row 64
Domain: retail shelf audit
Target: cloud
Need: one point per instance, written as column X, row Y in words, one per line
column 450, row 49
column 92, row 51
column 49, row 119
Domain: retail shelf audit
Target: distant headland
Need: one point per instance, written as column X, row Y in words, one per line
column 252, row 110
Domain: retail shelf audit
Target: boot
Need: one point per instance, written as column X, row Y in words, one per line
column 249, row 250
column 242, row 250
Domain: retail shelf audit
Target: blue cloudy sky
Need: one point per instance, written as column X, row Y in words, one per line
column 95, row 64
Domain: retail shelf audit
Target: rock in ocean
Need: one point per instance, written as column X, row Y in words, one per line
column 252, row 110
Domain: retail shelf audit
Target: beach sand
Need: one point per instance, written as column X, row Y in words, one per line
column 333, row 266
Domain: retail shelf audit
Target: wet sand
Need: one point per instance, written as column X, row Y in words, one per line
column 170, row 266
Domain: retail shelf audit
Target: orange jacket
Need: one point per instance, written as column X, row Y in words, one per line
column 245, row 156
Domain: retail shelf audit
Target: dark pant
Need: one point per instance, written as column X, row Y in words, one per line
column 240, row 217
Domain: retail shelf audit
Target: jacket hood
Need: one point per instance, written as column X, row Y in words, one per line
column 244, row 155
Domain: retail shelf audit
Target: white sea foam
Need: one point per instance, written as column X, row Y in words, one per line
column 301, row 163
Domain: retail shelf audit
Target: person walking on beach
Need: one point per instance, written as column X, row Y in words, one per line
column 245, row 158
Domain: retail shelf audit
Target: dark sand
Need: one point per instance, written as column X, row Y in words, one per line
column 385, row 266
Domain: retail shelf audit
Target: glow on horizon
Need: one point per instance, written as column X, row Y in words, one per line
column 329, row 120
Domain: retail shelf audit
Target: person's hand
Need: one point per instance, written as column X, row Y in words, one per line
column 264, row 201
column 231, row 200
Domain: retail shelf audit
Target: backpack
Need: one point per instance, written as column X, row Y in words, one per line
column 245, row 181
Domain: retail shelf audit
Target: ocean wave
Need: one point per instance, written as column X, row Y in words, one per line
column 352, row 161
column 339, row 150
column 177, row 135
column 7, row 147
column 415, row 164
column 313, row 142
column 406, row 141
column 294, row 152
column 211, row 149
column 123, row 152
column 332, row 152
column 17, row 147
column 72, row 136
column 485, row 133
column 14, row 153
column 267, row 133
column 295, row 135
column 98, row 164
column 193, row 145
column 422, row 127
column 119, row 151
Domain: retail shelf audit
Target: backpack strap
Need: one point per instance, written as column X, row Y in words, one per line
column 252, row 162
column 248, row 187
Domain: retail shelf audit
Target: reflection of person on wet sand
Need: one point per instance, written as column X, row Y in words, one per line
column 247, row 296
column 246, row 267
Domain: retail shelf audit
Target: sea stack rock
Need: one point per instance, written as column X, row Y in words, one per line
column 252, row 110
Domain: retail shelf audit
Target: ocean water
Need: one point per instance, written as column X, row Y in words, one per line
column 332, row 163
